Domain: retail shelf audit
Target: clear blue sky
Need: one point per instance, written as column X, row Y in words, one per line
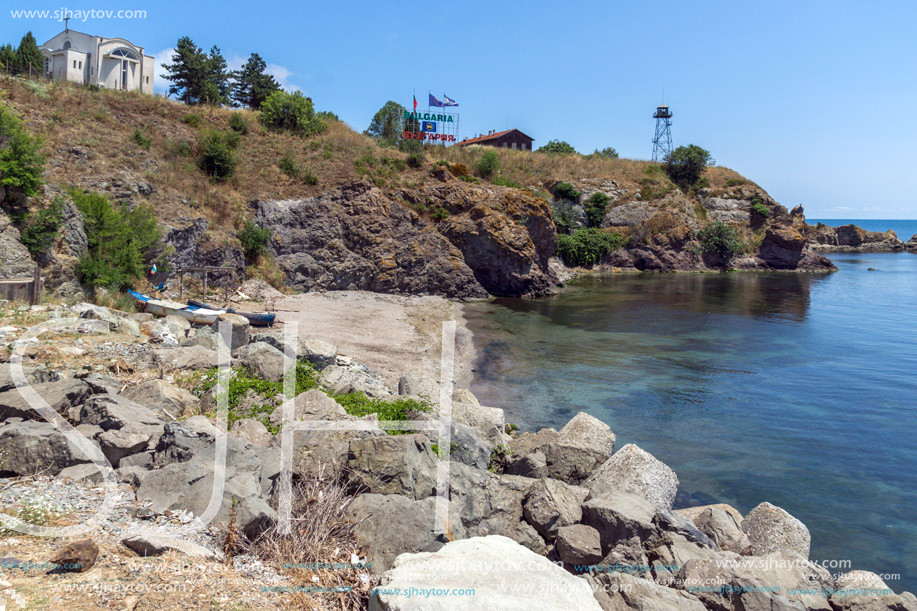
column 812, row 100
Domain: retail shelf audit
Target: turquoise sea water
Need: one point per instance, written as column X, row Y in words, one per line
column 798, row 389
column 904, row 229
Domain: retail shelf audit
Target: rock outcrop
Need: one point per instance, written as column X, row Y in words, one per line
column 850, row 238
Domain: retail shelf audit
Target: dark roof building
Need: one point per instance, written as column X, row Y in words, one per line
column 509, row 139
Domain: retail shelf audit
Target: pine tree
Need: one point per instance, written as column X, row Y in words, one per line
column 29, row 60
column 388, row 123
column 216, row 89
column 187, row 72
column 7, row 58
column 252, row 84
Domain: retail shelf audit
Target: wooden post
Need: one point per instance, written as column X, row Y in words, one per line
column 205, row 285
column 35, row 297
column 181, row 286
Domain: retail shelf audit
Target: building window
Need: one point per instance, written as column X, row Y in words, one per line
column 74, row 63
column 147, row 80
column 67, row 45
column 81, row 65
column 514, row 145
column 522, row 146
column 504, row 145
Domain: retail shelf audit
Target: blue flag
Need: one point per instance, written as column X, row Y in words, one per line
column 447, row 101
column 428, row 126
column 435, row 102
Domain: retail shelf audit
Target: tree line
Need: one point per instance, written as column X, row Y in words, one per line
column 24, row 59
column 200, row 77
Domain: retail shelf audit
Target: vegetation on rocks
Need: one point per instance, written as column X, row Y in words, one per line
column 587, row 246
column 557, row 146
column 40, row 228
column 21, row 162
column 720, row 239
column 254, row 239
column 686, row 164
column 292, row 112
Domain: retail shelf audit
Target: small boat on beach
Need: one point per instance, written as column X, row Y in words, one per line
column 257, row 319
column 163, row 307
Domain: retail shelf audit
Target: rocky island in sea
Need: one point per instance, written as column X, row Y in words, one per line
column 373, row 247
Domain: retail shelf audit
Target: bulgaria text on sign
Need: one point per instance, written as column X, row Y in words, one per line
column 407, row 135
column 428, row 116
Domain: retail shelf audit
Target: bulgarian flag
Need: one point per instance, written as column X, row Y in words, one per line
column 415, row 103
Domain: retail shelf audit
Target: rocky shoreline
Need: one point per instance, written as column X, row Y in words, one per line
column 580, row 523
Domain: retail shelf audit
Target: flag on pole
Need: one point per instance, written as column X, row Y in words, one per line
column 415, row 103
column 153, row 271
column 447, row 101
column 435, row 102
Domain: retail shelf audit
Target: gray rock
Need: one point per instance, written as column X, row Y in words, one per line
column 487, row 504
column 16, row 261
column 118, row 322
column 551, row 504
column 62, row 396
column 488, row 422
column 634, row 470
column 318, row 352
column 627, row 556
column 295, row 350
column 177, row 325
column 588, row 431
column 131, row 475
column 670, row 551
column 118, row 443
column 390, row 525
column 116, row 412
column 616, row 591
column 237, row 330
column 571, row 462
column 353, row 377
column 32, row 446
column 149, row 543
column 394, row 464
column 144, row 460
column 82, row 472
column 578, row 544
column 533, row 465
column 185, row 358
column 467, row 447
column 311, row 405
column 692, row 513
column 865, row 591
column 494, row 567
column 619, row 515
column 770, row 528
column 33, row 375
column 252, row 431
column 167, row 399
column 100, row 384
column 263, row 360
column 249, row 479
column 180, row 443
column 723, row 529
column 417, row 384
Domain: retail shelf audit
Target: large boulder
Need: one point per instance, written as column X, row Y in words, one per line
column 487, row 504
column 253, row 431
column 770, row 529
column 393, row 464
column 30, row 447
column 119, row 443
column 348, row 376
column 311, row 405
column 488, row 422
column 494, row 567
column 185, row 358
column 235, row 330
column 151, row 543
column 318, row 352
column 866, row 591
column 571, row 455
column 116, row 412
column 16, row 261
column 418, row 384
column 723, row 528
column 388, row 525
column 588, row 431
column 250, row 473
column 263, row 360
column 63, row 396
column 551, row 504
column 118, row 322
column 617, row 591
column 169, row 400
column 182, row 441
column 636, row 471
column 618, row 515
column 578, row 544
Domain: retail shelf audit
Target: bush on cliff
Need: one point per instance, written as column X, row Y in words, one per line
column 39, row 229
column 488, row 164
column 218, row 155
column 254, row 239
column 565, row 190
column 557, row 146
column 720, row 239
column 595, row 209
column 21, row 163
column 290, row 112
column 685, row 165
column 587, row 246
column 120, row 240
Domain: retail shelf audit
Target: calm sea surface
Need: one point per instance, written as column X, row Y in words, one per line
column 798, row 389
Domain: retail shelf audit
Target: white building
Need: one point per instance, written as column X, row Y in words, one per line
column 114, row 63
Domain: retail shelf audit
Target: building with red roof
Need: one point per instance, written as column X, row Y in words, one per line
column 509, row 139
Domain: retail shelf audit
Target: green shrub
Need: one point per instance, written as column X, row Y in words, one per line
column 184, row 148
column 120, row 240
column 192, row 119
column 735, row 182
column 685, row 164
column 290, row 112
column 702, row 183
column 595, row 209
column 720, row 239
column 237, row 123
column 93, row 87
column 440, row 214
column 488, row 164
column 606, row 153
column 498, row 458
column 143, row 141
column 558, row 147
column 466, row 178
column 416, row 159
column 254, row 239
column 365, row 163
column 358, row 404
column 587, row 246
column 39, row 229
column 21, row 163
column 760, row 209
column 218, row 158
column 562, row 213
column 289, row 165
column 308, row 177
column 505, row 182
column 565, row 190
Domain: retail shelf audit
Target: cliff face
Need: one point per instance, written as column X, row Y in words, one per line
column 492, row 240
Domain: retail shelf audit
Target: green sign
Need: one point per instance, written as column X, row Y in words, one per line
column 427, row 116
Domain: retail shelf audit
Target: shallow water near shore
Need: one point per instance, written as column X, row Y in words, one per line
column 798, row 389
